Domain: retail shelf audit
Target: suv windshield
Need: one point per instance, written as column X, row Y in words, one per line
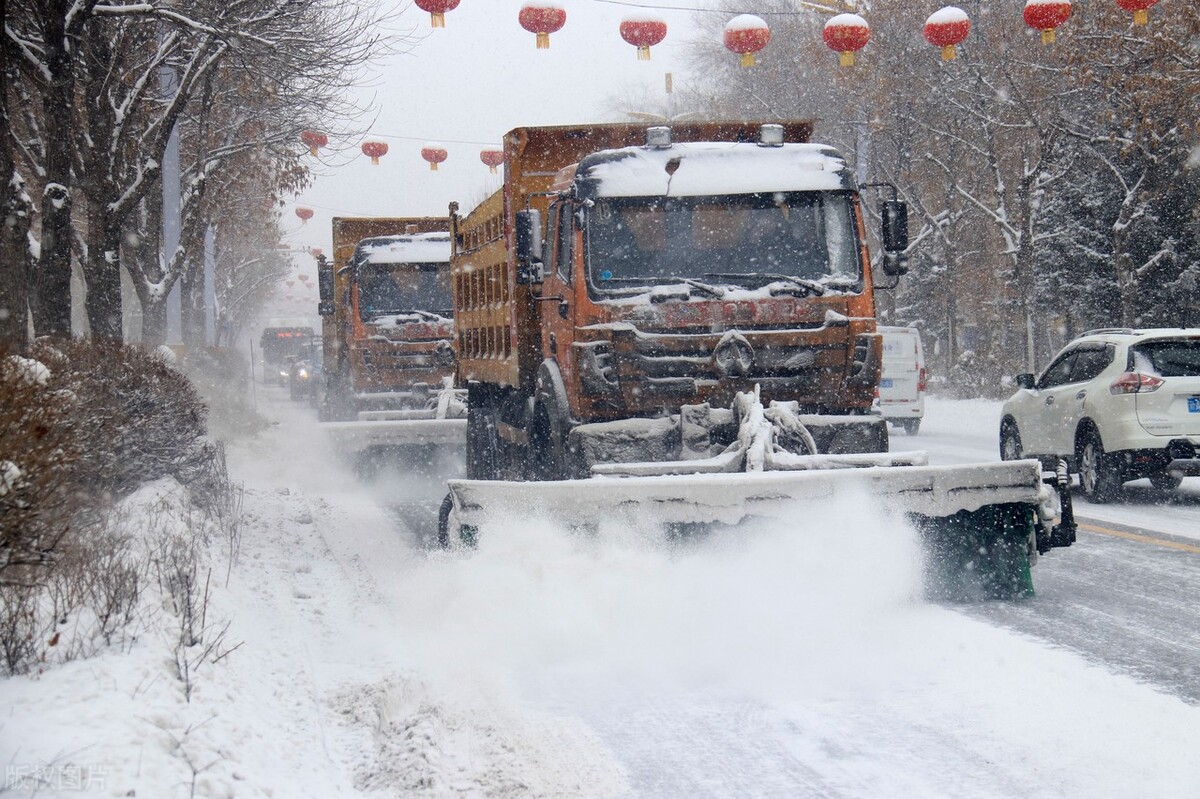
column 1168, row 358
column 799, row 241
column 386, row 289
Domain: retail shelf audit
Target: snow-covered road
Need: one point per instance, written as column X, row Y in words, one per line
column 794, row 660
column 789, row 662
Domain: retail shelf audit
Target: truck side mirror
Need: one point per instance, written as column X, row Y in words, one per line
column 895, row 225
column 895, row 237
column 529, row 247
column 1025, row 381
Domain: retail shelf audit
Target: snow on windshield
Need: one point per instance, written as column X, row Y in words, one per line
column 712, row 168
column 404, row 279
column 421, row 248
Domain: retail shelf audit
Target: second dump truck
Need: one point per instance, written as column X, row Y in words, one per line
column 388, row 331
column 681, row 322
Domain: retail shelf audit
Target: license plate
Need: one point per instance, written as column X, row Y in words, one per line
column 1193, row 404
column 887, row 383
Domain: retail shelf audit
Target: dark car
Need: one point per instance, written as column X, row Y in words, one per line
column 305, row 374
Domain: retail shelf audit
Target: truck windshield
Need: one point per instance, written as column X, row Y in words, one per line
column 390, row 289
column 798, row 241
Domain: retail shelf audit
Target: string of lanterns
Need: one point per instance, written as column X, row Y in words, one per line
column 745, row 35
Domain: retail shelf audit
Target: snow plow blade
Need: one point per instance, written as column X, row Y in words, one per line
column 439, row 421
column 982, row 526
column 977, row 523
column 357, row 437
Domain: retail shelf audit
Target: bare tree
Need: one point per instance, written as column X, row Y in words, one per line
column 15, row 211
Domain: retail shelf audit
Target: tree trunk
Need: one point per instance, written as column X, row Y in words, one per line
column 14, row 258
column 14, row 229
column 103, row 275
column 191, row 293
column 154, row 319
column 52, row 284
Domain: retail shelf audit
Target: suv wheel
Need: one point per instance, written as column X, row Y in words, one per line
column 1165, row 481
column 1010, row 442
column 1098, row 477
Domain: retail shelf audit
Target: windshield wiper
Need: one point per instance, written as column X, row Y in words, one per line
column 808, row 286
column 712, row 291
column 662, row 280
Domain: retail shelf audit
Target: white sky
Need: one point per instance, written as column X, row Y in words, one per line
column 472, row 81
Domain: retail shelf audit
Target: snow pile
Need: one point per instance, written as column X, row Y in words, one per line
column 31, row 371
column 468, row 740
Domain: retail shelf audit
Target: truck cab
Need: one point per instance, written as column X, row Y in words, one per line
column 673, row 274
column 394, row 333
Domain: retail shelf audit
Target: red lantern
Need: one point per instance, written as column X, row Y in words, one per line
column 290, row 283
column 1139, row 9
column 542, row 19
column 1046, row 15
column 493, row 158
column 745, row 35
column 305, row 214
column 434, row 154
column 947, row 27
column 315, row 251
column 643, row 32
column 847, row 34
column 314, row 139
column 374, row 150
column 437, row 10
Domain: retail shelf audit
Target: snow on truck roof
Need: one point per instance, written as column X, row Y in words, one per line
column 691, row 169
column 417, row 248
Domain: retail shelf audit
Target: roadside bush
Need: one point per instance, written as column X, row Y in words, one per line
column 38, row 458
column 81, row 426
column 136, row 418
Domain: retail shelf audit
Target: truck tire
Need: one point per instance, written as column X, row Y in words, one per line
column 443, row 528
column 911, row 426
column 483, row 445
column 548, row 459
column 1099, row 477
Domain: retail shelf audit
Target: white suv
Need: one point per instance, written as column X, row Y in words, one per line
column 1117, row 405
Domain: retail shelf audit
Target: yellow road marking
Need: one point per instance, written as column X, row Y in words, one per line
column 1145, row 539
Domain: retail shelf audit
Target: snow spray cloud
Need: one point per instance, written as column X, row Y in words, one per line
column 814, row 600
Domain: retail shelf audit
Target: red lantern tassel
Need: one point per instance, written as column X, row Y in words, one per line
column 948, row 53
column 543, row 41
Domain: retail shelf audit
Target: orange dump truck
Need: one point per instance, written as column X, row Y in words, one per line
column 679, row 324
column 673, row 275
column 388, row 334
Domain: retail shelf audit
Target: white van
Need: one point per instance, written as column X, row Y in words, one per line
column 900, row 398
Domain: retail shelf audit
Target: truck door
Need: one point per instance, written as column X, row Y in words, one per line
column 558, row 299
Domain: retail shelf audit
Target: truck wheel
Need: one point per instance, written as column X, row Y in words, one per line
column 547, row 450
column 1098, row 476
column 911, row 426
column 1165, row 481
column 1010, row 442
column 443, row 529
column 483, row 445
